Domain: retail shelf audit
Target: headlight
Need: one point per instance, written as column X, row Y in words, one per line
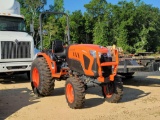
column 99, row 54
column 93, row 53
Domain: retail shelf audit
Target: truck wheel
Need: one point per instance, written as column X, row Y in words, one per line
column 41, row 80
column 28, row 74
column 127, row 75
column 75, row 93
column 113, row 91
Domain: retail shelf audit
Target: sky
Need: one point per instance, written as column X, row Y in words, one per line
column 73, row 5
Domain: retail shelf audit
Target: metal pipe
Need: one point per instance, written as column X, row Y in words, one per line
column 40, row 24
column 125, row 66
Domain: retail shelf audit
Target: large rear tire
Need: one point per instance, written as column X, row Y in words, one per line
column 113, row 91
column 75, row 93
column 41, row 80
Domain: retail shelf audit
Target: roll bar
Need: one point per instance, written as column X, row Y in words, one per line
column 55, row 13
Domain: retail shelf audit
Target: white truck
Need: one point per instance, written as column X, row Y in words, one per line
column 16, row 45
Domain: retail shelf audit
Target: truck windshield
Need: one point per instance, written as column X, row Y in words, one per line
column 12, row 24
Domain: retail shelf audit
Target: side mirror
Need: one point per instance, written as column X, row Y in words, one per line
column 31, row 28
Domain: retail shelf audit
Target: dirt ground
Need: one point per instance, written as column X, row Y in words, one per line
column 141, row 101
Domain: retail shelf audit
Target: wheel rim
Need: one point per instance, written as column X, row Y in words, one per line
column 108, row 90
column 35, row 77
column 70, row 93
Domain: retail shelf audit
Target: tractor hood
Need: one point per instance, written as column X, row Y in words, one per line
column 89, row 47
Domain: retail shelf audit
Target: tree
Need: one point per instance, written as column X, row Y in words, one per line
column 51, row 29
column 31, row 9
column 96, row 8
column 133, row 25
column 125, row 31
column 34, row 8
column 58, row 6
column 88, row 28
column 95, row 12
column 149, row 28
column 100, row 33
column 77, row 27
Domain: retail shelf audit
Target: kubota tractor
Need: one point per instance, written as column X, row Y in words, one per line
column 81, row 65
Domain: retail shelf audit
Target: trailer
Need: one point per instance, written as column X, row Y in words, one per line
column 140, row 62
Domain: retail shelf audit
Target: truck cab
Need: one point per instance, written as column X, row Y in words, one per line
column 16, row 45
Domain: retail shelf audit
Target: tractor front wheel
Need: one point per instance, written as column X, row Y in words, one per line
column 113, row 91
column 41, row 80
column 75, row 93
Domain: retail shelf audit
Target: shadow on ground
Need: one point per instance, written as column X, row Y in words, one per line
column 129, row 94
column 150, row 79
column 14, row 79
column 8, row 105
column 12, row 100
column 58, row 91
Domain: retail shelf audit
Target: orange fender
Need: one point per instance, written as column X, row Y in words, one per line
column 52, row 64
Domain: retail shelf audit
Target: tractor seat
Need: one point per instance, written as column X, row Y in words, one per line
column 58, row 48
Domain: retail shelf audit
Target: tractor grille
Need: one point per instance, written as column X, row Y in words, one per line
column 107, row 70
column 15, row 50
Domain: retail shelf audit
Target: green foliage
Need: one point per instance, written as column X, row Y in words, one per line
column 77, row 27
column 100, row 33
column 31, row 9
column 88, row 28
column 51, row 31
column 158, row 49
column 96, row 8
column 58, row 6
column 55, row 28
column 132, row 25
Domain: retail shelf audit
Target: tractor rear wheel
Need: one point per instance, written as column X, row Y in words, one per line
column 75, row 93
column 41, row 80
column 113, row 91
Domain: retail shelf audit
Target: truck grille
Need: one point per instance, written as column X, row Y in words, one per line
column 15, row 50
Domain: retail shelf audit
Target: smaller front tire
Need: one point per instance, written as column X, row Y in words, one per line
column 74, row 93
column 113, row 90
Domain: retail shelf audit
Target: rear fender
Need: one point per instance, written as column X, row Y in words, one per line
column 52, row 64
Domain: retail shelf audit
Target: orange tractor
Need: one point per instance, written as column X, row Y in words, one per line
column 81, row 65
